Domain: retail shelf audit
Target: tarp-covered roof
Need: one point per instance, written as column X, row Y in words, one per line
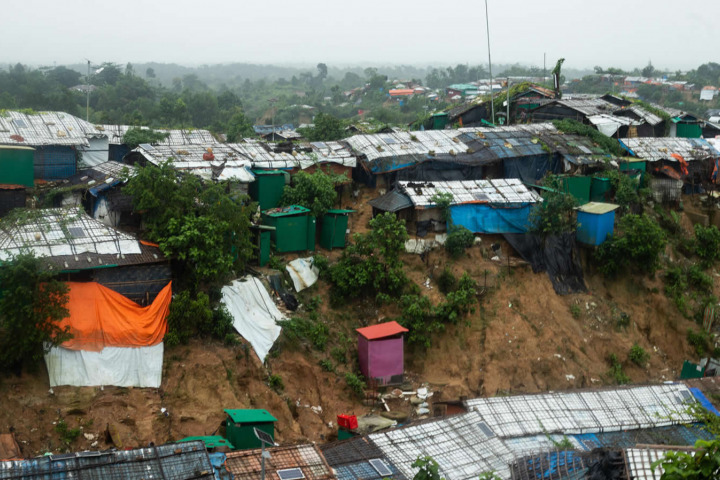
column 462, row 445
column 102, row 177
column 115, row 134
column 391, row 201
column 587, row 411
column 307, row 458
column 653, row 149
column 171, row 461
column 58, row 232
column 498, row 191
column 45, row 128
column 351, row 459
column 302, row 155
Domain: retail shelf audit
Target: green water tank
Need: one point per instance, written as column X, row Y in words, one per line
column 334, row 228
column 17, row 165
column 267, row 188
column 294, row 228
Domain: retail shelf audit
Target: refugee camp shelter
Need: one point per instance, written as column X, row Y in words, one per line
column 395, row 202
column 596, row 222
column 59, row 140
column 380, row 352
column 240, row 425
column 674, row 162
column 294, row 228
column 481, row 206
column 118, row 149
column 98, row 190
column 171, row 461
column 212, row 162
column 83, row 249
column 16, row 165
column 267, row 188
column 359, row 459
column 296, row 462
column 293, row 157
column 334, row 228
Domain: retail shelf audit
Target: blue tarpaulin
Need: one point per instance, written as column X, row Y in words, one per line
column 700, row 397
column 489, row 219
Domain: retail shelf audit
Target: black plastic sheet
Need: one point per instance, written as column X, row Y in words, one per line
column 555, row 254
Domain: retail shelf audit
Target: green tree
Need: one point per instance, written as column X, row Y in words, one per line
column 699, row 465
column 327, row 128
column 315, row 191
column 639, row 245
column 556, row 213
column 371, row 264
column 238, row 126
column 32, row 303
column 136, row 136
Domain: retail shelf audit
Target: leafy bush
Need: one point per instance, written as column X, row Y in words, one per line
column 443, row 200
column 276, row 382
column 423, row 319
column 327, row 365
column 458, row 239
column 371, row 264
column 135, row 136
column 684, row 285
column 638, row 355
column 575, row 311
column 704, row 463
column 624, row 187
column 315, row 191
column 616, row 370
column 339, row 354
column 323, row 265
column 356, row 383
column 67, row 434
column 446, row 281
column 188, row 317
column 639, row 246
column 32, row 302
column 699, row 340
column 556, row 213
column 707, row 244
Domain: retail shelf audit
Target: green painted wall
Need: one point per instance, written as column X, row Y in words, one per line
column 17, row 166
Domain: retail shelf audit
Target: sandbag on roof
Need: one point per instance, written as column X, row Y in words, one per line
column 100, row 317
column 303, row 273
column 254, row 313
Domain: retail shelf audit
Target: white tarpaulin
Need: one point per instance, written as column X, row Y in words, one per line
column 119, row 366
column 254, row 313
column 302, row 272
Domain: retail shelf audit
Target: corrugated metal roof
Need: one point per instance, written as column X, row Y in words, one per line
column 499, row 191
column 302, row 155
column 115, row 134
column 171, row 461
column 45, row 128
column 588, row 106
column 189, row 158
column 416, row 145
column 61, row 231
column 102, row 176
column 661, row 148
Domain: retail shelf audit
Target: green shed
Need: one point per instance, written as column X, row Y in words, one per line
column 17, row 165
column 334, row 228
column 294, row 228
column 240, row 423
column 599, row 189
column 439, row 120
column 267, row 188
column 578, row 187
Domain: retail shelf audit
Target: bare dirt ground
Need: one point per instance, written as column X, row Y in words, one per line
column 522, row 338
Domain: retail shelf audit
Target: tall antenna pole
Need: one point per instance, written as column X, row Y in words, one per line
column 487, row 25
column 87, row 94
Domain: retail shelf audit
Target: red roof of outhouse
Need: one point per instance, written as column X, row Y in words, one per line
column 381, row 330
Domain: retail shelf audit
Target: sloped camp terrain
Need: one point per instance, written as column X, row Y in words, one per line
column 522, row 337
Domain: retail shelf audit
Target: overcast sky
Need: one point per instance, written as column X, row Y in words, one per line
column 624, row 33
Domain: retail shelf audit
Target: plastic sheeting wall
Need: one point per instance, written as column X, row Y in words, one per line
column 487, row 219
column 460, row 445
column 581, row 412
column 531, row 169
column 254, row 313
column 98, row 152
column 122, row 367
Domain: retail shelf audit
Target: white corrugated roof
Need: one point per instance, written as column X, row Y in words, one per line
column 61, row 231
column 263, row 156
column 661, row 148
column 462, row 446
column 226, row 165
column 115, row 134
column 510, row 190
column 45, row 128
column 585, row 412
column 400, row 144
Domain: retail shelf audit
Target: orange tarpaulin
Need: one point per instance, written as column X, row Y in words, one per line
column 100, row 317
